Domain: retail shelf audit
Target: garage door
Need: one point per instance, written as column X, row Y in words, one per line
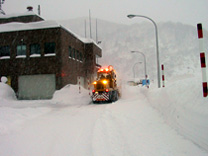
column 36, row 86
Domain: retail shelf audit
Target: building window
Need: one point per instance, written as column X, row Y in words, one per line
column 70, row 51
column 78, row 55
column 49, row 48
column 21, row 50
column 35, row 49
column 5, row 51
column 73, row 53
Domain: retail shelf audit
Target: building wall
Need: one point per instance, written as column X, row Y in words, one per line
column 15, row 67
column 91, row 50
column 65, row 68
column 72, row 67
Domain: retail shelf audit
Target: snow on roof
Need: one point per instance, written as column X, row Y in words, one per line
column 29, row 13
column 88, row 40
column 17, row 26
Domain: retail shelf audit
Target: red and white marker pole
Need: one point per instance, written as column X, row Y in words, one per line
column 202, row 59
column 79, row 85
column 146, row 81
column 163, row 75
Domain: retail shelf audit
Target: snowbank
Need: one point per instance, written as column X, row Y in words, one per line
column 6, row 92
column 184, row 108
column 70, row 95
column 11, row 116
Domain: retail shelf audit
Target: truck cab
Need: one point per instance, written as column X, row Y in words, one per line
column 105, row 86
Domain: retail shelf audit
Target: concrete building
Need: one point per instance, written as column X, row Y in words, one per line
column 39, row 57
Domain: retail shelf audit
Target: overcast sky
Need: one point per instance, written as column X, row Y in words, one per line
column 184, row 11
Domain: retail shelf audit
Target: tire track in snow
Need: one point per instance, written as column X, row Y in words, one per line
column 82, row 134
column 107, row 137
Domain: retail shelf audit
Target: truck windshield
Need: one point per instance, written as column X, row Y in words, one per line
column 104, row 76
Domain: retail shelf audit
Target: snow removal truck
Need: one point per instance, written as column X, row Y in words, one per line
column 105, row 86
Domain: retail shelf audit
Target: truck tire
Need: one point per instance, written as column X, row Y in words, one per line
column 116, row 95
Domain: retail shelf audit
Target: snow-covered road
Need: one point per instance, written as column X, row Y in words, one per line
column 128, row 127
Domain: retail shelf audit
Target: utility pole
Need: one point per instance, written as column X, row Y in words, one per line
column 90, row 24
column 1, row 10
column 96, row 32
column 39, row 10
column 85, row 28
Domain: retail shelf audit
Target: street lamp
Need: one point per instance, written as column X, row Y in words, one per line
column 145, row 64
column 157, row 46
column 134, row 68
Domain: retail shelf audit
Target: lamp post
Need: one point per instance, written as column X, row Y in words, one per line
column 157, row 46
column 145, row 64
column 134, row 68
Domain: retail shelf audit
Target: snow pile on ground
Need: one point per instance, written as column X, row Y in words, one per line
column 13, row 113
column 132, row 127
column 6, row 92
column 183, row 107
column 70, row 95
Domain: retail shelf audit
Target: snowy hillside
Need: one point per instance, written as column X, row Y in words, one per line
column 178, row 45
